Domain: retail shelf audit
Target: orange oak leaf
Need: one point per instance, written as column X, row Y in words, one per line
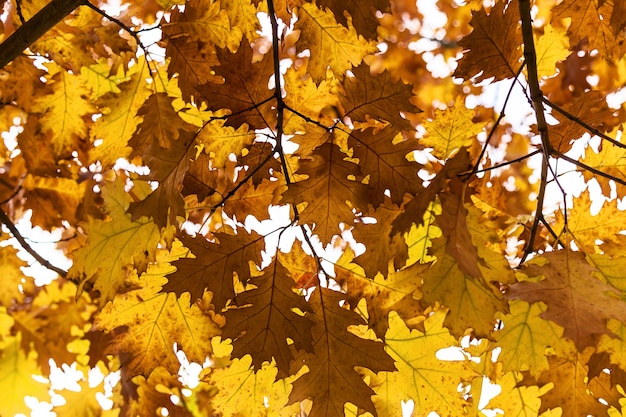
column 414, row 210
column 168, row 167
column 327, row 191
column 265, row 324
column 214, row 264
column 244, row 90
column 493, row 49
column 387, row 159
column 380, row 247
column 332, row 379
column 576, row 299
column 454, row 224
column 378, row 97
column 593, row 21
column 362, row 14
column 193, row 61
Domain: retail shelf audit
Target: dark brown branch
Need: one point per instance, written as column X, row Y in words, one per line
column 530, row 56
column 4, row 218
column 27, row 34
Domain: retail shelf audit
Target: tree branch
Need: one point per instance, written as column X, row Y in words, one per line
column 35, row 28
column 4, row 218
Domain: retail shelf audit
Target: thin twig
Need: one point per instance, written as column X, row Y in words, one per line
column 588, row 168
column 4, row 218
column 577, row 120
column 497, row 123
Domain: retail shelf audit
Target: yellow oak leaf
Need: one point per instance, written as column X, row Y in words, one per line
column 609, row 159
column 66, row 111
column 450, row 129
column 221, row 141
column 520, row 401
column 525, row 338
column 308, row 98
column 155, row 393
column 471, row 301
column 399, row 292
column 16, row 377
column 12, row 276
column 99, row 79
column 242, row 391
column 604, row 226
column 111, row 133
column 330, row 45
column 243, row 15
column 112, row 250
column 551, row 47
column 146, row 324
column 430, row 382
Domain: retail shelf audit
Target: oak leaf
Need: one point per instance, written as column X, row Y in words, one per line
column 327, row 191
column 117, row 237
column 387, row 159
column 381, row 248
column 430, row 382
column 244, row 90
column 221, row 141
column 330, row 45
column 380, row 97
column 16, row 377
column 525, row 338
column 214, row 264
column 450, row 130
column 362, row 15
column 332, row 380
column 493, row 48
column 471, row 301
column 147, row 324
column 265, row 319
column 576, row 299
column 168, row 167
column 399, row 292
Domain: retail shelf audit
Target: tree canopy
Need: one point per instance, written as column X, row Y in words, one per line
column 314, row 200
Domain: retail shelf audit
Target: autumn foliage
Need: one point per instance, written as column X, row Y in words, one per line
column 314, row 200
